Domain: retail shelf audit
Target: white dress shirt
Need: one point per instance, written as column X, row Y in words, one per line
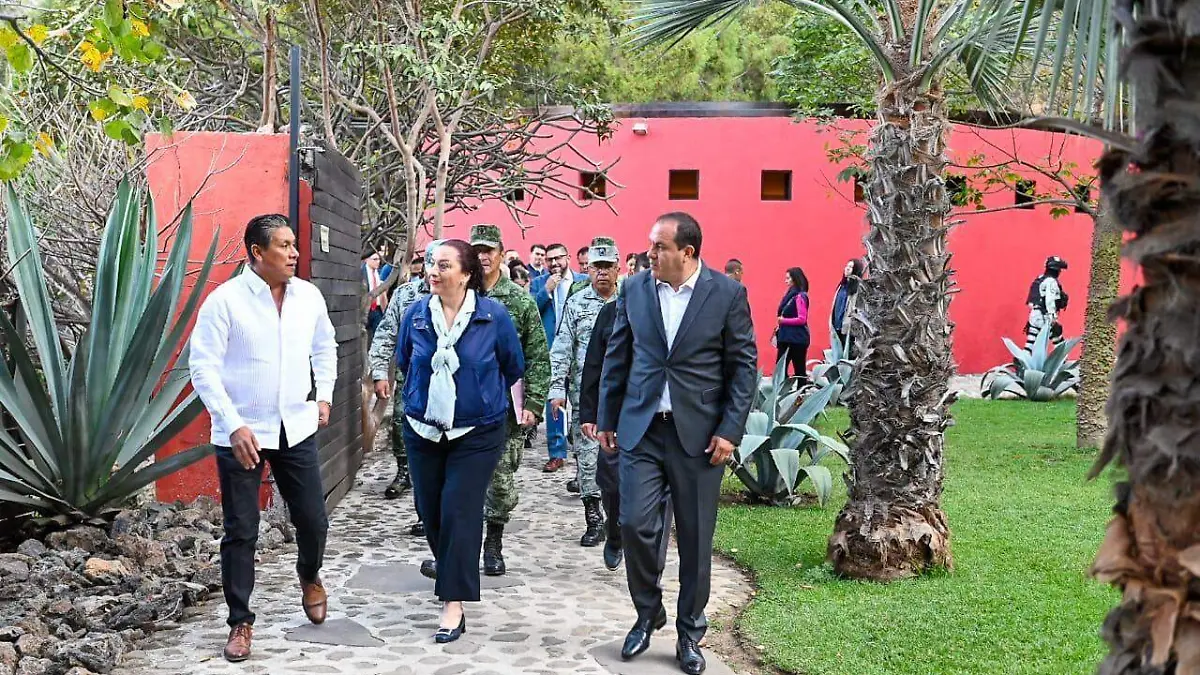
column 673, row 303
column 253, row 365
column 561, row 291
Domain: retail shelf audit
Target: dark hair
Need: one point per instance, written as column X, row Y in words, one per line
column 468, row 259
column 259, row 229
column 643, row 262
column 518, row 270
column 631, row 256
column 733, row 265
column 858, row 266
column 418, row 257
column 536, row 247
column 799, row 280
column 581, row 251
column 367, row 252
column 551, row 247
column 687, row 230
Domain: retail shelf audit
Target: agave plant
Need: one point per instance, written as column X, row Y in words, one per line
column 781, row 448
column 835, row 370
column 83, row 430
column 1043, row 374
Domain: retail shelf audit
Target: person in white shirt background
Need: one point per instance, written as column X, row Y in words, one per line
column 373, row 280
column 261, row 340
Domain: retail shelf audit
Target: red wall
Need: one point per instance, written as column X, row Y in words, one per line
column 996, row 255
column 230, row 178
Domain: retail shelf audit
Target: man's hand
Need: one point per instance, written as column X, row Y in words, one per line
column 556, row 404
column 552, row 282
column 608, row 441
column 383, row 389
column 589, row 430
column 528, row 418
column 720, row 449
column 245, row 448
column 322, row 414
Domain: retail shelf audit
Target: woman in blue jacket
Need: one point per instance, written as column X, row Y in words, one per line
column 460, row 356
column 792, row 336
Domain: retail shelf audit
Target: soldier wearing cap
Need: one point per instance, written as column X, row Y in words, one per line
column 566, row 367
column 502, row 493
column 1046, row 299
column 380, row 355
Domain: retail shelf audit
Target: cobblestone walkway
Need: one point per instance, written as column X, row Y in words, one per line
column 559, row 611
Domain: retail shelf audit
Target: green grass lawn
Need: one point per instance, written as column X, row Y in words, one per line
column 1024, row 526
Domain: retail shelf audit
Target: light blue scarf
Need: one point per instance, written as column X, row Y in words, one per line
column 443, row 393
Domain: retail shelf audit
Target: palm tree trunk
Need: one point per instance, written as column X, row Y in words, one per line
column 893, row 526
column 1152, row 547
column 1099, row 334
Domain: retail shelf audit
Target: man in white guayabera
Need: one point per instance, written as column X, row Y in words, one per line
column 262, row 339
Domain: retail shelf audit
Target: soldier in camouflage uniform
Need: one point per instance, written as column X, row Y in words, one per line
column 383, row 350
column 567, row 358
column 502, row 493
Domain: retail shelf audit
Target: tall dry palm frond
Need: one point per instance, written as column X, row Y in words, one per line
column 893, row 525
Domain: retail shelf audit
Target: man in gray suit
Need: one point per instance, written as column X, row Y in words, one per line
column 677, row 386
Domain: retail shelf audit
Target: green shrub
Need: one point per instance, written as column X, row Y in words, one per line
column 1043, row 374
column 83, row 428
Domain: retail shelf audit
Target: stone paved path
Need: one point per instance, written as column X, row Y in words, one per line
column 559, row 611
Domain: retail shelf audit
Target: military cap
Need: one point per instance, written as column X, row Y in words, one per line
column 486, row 235
column 603, row 249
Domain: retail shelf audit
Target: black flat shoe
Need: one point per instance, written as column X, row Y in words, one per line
column 638, row 639
column 417, row 529
column 429, row 569
column 687, row 653
column 444, row 635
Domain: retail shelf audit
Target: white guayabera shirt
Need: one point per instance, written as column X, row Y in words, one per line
column 254, row 365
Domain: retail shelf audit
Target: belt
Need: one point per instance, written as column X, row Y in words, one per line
column 667, row 416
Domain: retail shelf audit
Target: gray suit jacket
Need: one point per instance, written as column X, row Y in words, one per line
column 712, row 367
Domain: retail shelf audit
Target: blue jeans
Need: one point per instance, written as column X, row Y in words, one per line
column 556, row 439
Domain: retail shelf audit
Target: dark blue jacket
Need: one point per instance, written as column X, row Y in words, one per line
column 490, row 362
column 545, row 303
column 795, row 335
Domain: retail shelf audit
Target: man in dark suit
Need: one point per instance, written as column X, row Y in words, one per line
column 676, row 390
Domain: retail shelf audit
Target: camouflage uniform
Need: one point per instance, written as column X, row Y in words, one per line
column 383, row 350
column 502, row 494
column 566, row 367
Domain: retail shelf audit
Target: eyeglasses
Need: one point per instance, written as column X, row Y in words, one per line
column 552, row 258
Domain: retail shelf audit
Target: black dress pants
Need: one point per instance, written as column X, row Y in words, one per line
column 608, row 477
column 450, row 481
column 297, row 472
column 797, row 354
column 657, row 464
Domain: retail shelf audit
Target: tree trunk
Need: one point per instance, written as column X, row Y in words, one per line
column 1152, row 547
column 893, row 526
column 1099, row 334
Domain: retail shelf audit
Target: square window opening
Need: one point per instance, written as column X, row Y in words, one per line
column 776, row 186
column 684, row 184
column 592, row 185
column 1025, row 194
column 956, row 189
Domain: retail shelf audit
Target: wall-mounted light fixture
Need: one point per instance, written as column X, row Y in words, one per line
column 641, row 129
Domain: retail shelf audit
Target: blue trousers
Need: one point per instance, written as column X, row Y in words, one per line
column 450, row 480
column 556, row 438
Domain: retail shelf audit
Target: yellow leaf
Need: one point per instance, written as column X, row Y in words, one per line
column 140, row 28
column 38, row 33
column 44, row 143
column 7, row 38
column 185, row 99
column 141, row 103
column 3, row 124
column 93, row 58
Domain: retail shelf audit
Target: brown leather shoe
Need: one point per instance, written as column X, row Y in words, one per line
column 238, row 647
column 315, row 602
column 554, row 465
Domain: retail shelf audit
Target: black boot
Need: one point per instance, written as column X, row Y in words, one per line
column 400, row 484
column 595, row 522
column 493, row 551
column 573, row 486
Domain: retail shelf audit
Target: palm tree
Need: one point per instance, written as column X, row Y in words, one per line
column 893, row 525
column 1151, row 181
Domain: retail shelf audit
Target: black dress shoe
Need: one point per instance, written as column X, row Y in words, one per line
column 417, row 529
column 638, row 639
column 444, row 635
column 613, row 553
column 687, row 653
column 429, row 569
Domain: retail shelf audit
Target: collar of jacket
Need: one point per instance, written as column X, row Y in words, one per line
column 504, row 288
